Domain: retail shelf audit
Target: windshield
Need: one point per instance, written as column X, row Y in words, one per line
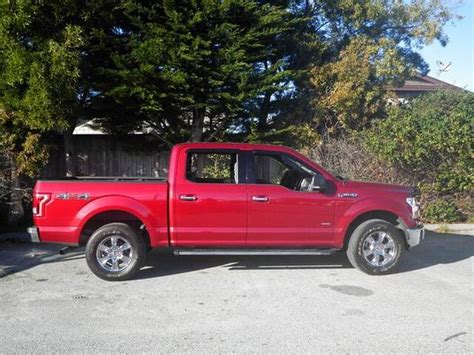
column 298, row 166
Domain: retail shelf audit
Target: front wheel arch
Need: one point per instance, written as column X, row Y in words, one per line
column 387, row 216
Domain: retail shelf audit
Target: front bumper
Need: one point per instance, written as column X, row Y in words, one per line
column 415, row 235
column 34, row 234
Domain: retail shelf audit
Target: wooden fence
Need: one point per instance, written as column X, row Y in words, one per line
column 104, row 155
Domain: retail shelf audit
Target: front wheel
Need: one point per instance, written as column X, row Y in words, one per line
column 115, row 252
column 375, row 247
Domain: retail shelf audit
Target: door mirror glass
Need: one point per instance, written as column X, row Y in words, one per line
column 318, row 183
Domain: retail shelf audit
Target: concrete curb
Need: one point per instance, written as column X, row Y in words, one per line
column 457, row 228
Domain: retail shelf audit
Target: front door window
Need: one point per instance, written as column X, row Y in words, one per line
column 282, row 170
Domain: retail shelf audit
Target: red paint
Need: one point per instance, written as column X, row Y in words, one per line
column 289, row 218
column 221, row 215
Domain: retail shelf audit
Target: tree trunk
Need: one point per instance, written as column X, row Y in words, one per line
column 264, row 111
column 69, row 153
column 17, row 211
column 197, row 125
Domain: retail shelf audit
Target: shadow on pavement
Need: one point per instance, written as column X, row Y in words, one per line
column 17, row 257
column 437, row 248
column 160, row 264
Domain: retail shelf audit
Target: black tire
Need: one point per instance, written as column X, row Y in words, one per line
column 357, row 245
column 136, row 251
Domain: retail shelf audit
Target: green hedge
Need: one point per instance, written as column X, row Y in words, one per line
column 441, row 210
column 431, row 138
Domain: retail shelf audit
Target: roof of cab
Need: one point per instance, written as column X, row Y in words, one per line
column 249, row 147
column 240, row 146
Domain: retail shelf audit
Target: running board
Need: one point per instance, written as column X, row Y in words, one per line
column 230, row 251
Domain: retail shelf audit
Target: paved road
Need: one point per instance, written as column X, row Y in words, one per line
column 239, row 304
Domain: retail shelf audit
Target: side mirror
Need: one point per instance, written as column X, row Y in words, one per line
column 318, row 183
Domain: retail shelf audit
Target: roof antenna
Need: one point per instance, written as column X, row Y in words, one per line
column 443, row 67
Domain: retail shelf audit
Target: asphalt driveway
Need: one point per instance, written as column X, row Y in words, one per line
column 202, row 304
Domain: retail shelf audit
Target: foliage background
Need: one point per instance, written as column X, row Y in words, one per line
column 426, row 142
column 310, row 74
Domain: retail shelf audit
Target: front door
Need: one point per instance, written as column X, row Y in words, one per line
column 282, row 211
column 210, row 200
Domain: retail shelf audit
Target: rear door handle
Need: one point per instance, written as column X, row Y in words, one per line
column 260, row 198
column 188, row 197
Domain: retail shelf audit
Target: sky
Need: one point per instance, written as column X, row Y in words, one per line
column 459, row 51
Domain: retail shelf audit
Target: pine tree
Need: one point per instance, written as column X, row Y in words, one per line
column 194, row 68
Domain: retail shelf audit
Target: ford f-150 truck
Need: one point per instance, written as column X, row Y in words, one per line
column 228, row 199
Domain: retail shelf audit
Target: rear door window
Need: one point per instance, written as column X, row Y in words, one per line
column 213, row 167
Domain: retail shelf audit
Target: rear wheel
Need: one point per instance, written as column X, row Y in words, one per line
column 115, row 252
column 375, row 247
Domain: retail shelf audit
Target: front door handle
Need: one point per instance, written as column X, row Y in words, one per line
column 188, row 197
column 260, row 198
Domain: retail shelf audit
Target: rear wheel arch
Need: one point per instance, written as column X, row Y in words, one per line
column 102, row 218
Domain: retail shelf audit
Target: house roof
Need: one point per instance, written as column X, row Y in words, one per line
column 423, row 83
column 92, row 128
column 85, row 128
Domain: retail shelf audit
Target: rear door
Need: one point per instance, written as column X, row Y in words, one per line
column 210, row 200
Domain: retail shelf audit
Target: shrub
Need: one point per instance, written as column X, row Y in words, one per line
column 431, row 139
column 350, row 157
column 441, row 210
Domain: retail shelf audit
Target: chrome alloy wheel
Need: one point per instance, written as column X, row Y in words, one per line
column 114, row 253
column 379, row 248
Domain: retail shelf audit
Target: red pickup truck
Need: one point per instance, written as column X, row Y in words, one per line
column 228, row 199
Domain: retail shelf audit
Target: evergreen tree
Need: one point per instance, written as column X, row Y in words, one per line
column 202, row 69
column 194, row 67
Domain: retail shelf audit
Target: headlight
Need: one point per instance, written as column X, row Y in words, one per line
column 415, row 207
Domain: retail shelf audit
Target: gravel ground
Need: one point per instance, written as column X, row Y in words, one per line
column 198, row 304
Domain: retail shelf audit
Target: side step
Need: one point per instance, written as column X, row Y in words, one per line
column 248, row 251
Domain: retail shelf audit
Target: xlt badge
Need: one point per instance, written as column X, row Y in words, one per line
column 348, row 194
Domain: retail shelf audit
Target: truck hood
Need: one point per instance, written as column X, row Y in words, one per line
column 364, row 185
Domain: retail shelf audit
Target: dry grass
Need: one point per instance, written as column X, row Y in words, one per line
column 347, row 157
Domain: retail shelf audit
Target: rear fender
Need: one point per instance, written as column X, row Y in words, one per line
column 124, row 204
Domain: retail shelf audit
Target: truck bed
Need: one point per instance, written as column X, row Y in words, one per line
column 76, row 201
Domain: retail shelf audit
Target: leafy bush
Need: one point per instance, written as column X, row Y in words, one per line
column 430, row 138
column 441, row 210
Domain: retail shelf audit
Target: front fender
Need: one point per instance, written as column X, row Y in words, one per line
column 344, row 220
